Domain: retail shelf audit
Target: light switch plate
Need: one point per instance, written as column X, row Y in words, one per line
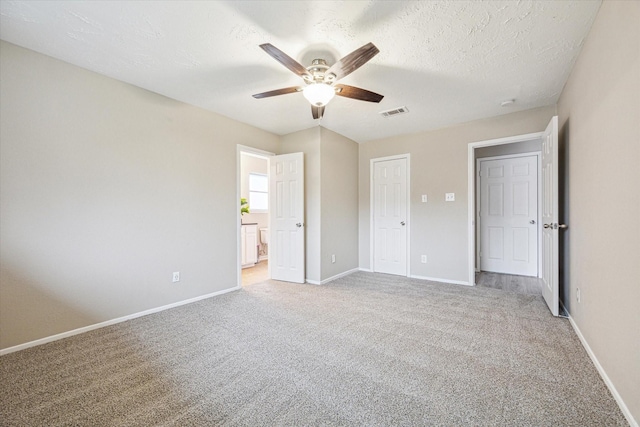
column 450, row 197
column 424, row 198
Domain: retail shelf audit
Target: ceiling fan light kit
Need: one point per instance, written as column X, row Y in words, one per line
column 319, row 94
column 320, row 78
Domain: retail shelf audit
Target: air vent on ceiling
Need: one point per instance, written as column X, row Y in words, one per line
column 394, row 112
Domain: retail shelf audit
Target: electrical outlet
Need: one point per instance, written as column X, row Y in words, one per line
column 423, row 259
column 578, row 294
column 176, row 276
column 450, row 197
column 333, row 259
column 424, row 198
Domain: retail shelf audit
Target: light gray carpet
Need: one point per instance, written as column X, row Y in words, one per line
column 367, row 349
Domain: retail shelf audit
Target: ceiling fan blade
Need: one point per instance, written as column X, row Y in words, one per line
column 357, row 93
column 317, row 112
column 352, row 61
column 286, row 60
column 276, row 92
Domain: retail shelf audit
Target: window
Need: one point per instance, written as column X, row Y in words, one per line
column 258, row 193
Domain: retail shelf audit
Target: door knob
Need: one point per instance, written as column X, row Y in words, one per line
column 533, row 221
column 402, row 223
column 299, row 225
column 562, row 226
column 547, row 225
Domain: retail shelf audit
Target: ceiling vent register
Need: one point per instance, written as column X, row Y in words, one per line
column 394, row 112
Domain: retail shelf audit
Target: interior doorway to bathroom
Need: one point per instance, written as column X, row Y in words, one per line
column 253, row 212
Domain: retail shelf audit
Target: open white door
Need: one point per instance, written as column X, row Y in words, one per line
column 286, row 201
column 550, row 252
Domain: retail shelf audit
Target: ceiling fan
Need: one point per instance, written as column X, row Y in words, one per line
column 320, row 79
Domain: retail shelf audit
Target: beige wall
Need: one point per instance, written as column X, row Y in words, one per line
column 105, row 190
column 308, row 142
column 599, row 114
column 331, row 188
column 439, row 166
column 339, row 203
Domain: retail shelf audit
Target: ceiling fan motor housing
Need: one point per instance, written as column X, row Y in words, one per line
column 317, row 71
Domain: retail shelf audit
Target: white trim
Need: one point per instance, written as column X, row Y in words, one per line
column 254, row 152
column 623, row 407
column 471, row 194
column 339, row 275
column 435, row 279
column 366, row 270
column 507, row 140
column 110, row 322
column 511, row 156
column 407, row 157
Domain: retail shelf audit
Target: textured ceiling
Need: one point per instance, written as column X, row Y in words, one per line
column 446, row 61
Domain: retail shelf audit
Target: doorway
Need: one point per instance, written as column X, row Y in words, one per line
column 484, row 154
column 253, row 213
column 548, row 195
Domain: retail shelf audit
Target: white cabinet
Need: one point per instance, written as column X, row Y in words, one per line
column 249, row 239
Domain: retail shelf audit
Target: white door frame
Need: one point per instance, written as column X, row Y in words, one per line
column 261, row 153
column 407, row 157
column 471, row 192
column 538, row 155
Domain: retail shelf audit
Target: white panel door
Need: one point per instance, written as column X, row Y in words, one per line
column 286, row 204
column 509, row 215
column 390, row 217
column 550, row 255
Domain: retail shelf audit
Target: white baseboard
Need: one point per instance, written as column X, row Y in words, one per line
column 263, row 257
column 337, row 276
column 601, row 371
column 110, row 322
column 435, row 279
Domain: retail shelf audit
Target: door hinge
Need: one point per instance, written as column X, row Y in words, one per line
column 479, row 173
